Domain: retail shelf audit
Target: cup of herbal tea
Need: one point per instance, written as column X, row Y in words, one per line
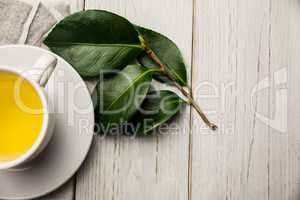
column 26, row 123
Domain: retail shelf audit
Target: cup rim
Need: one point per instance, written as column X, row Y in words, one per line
column 43, row 132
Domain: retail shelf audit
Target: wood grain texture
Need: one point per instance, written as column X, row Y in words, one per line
column 240, row 44
column 75, row 5
column 285, row 147
column 144, row 168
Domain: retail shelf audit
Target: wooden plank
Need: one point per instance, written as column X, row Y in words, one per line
column 247, row 42
column 284, row 148
column 215, row 161
column 152, row 167
column 232, row 44
column 75, row 5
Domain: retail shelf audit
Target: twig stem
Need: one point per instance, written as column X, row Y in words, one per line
column 151, row 54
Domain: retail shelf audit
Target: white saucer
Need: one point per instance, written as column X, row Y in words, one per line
column 73, row 132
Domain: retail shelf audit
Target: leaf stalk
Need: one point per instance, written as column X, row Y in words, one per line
column 188, row 94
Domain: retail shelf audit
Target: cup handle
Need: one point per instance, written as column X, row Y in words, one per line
column 43, row 68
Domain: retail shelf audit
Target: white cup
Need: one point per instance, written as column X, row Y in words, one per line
column 37, row 77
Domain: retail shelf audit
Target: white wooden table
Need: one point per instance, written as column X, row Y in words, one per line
column 232, row 48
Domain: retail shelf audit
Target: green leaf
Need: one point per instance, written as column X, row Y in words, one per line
column 95, row 41
column 157, row 108
column 95, row 101
column 167, row 52
column 121, row 95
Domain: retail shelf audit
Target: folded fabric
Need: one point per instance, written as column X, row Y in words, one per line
column 27, row 22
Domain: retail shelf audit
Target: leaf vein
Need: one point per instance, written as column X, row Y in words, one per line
column 133, row 82
column 91, row 44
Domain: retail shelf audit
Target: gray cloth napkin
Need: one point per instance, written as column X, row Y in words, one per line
column 26, row 22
